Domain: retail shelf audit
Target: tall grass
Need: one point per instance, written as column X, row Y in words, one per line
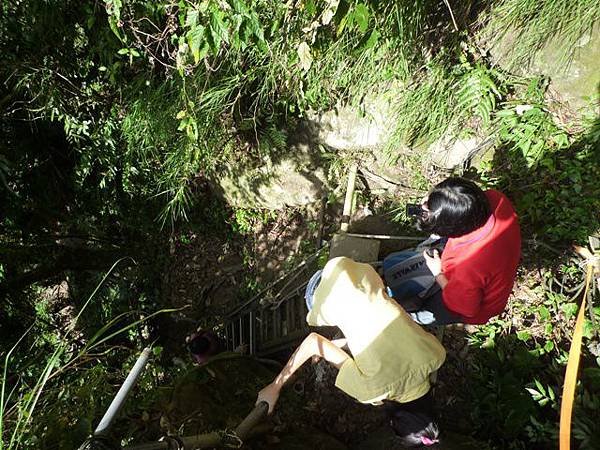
column 425, row 110
column 19, row 402
column 535, row 23
column 246, row 85
column 446, row 98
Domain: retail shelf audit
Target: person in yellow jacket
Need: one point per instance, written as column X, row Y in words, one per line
column 391, row 357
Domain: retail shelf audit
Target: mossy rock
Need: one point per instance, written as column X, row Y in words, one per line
column 575, row 81
column 294, row 180
column 217, row 395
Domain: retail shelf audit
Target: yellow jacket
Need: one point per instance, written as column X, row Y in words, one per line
column 392, row 355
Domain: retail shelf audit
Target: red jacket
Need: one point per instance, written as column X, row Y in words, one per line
column 481, row 266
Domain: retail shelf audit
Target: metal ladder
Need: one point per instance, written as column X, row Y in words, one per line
column 274, row 319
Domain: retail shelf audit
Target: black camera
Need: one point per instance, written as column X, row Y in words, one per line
column 414, row 210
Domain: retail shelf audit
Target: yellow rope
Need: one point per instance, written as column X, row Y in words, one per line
column 568, row 395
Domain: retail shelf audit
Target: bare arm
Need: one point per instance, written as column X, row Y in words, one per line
column 442, row 280
column 313, row 345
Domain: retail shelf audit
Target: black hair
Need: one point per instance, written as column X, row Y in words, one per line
column 456, row 207
column 199, row 345
column 413, row 422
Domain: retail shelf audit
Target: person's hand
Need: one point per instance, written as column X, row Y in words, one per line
column 433, row 262
column 269, row 394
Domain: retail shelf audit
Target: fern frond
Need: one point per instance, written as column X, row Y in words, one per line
column 477, row 92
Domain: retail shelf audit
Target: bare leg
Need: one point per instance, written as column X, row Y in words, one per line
column 313, row 345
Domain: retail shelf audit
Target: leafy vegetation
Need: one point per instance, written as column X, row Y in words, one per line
column 444, row 97
column 67, row 384
column 547, row 170
column 519, row 375
column 265, row 64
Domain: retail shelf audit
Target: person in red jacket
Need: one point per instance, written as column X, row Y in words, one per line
column 478, row 264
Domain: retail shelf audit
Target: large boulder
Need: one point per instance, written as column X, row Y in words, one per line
column 580, row 79
column 365, row 131
column 450, row 152
column 574, row 81
column 299, row 176
column 294, row 180
column 357, row 127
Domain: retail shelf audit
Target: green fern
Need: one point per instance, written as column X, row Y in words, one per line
column 272, row 138
column 478, row 91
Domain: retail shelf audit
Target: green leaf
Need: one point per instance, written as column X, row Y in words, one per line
column 570, row 309
column 342, row 24
column 183, row 124
column 257, row 29
column 373, row 40
column 361, row 16
column 506, row 113
column 549, row 346
column 540, row 386
column 489, row 342
column 218, row 29
column 191, row 18
column 588, row 329
column 123, row 51
column 113, row 7
column 196, row 41
column 523, row 336
column 192, row 130
column 113, row 22
column 240, row 6
column 544, row 313
column 534, row 394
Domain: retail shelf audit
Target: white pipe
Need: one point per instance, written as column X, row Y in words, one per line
column 121, row 396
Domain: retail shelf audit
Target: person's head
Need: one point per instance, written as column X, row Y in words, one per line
column 413, row 422
column 199, row 345
column 453, row 208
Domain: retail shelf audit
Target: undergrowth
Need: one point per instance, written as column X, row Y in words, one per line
column 548, row 172
column 215, row 83
column 517, row 365
column 278, row 64
column 56, row 384
column 449, row 99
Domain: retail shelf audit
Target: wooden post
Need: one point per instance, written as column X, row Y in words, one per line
column 348, row 203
